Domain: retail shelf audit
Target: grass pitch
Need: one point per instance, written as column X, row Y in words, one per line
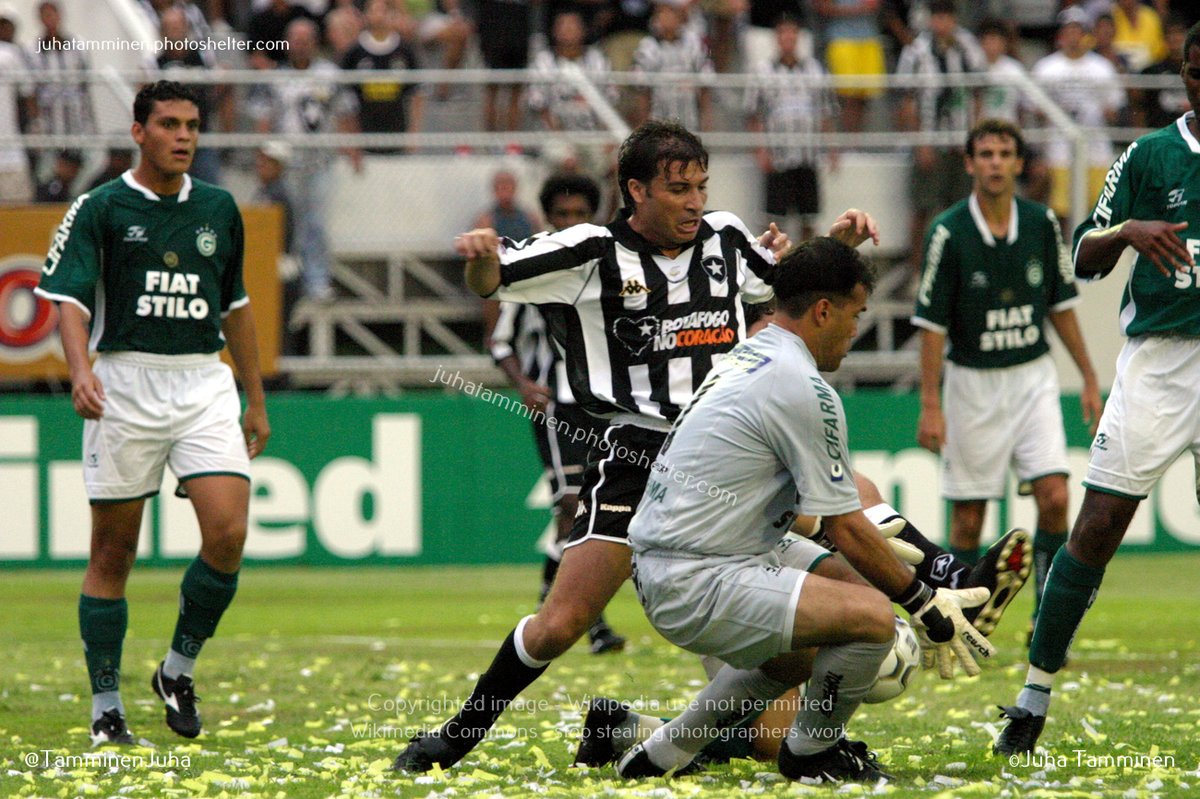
column 317, row 677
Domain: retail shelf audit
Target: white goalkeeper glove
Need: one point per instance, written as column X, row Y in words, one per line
column 943, row 632
column 904, row 550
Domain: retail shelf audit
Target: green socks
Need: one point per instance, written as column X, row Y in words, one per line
column 1045, row 546
column 203, row 597
column 1070, row 590
column 968, row 555
column 102, row 624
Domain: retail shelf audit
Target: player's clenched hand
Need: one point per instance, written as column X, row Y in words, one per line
column 87, row 395
column 1159, row 241
column 946, row 635
column 477, row 243
column 931, row 429
column 256, row 429
column 854, row 227
column 775, row 240
column 534, row 395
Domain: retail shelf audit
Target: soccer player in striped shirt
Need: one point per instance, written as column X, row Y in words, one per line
column 642, row 308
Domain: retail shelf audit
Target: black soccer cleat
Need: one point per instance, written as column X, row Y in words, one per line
column 110, row 729
column 596, row 747
column 636, row 764
column 1003, row 570
column 845, row 761
column 179, row 695
column 603, row 639
column 1022, row 732
column 424, row 750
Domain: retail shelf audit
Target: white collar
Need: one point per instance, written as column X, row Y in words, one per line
column 127, row 176
column 376, row 47
column 1186, row 132
column 982, row 225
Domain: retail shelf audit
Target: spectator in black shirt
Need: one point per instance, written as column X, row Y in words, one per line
column 385, row 106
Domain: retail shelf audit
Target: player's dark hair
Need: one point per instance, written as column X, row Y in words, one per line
column 943, row 7
column 995, row 127
column 995, row 27
column 655, row 146
column 160, row 91
column 564, row 185
column 820, row 268
column 1192, row 40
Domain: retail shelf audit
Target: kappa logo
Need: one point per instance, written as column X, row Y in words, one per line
column 715, row 266
column 1175, row 199
column 581, row 510
column 633, row 288
column 941, row 566
column 635, row 334
column 136, row 233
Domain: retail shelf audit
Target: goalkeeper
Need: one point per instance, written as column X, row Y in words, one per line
column 767, row 431
column 611, row 727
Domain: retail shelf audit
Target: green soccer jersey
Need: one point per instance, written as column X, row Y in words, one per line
column 988, row 297
column 154, row 274
column 1154, row 179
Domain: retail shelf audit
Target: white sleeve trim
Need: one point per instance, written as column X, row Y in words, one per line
column 233, row 306
column 41, row 292
column 925, row 324
column 1067, row 304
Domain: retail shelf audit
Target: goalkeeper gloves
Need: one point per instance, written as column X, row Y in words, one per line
column 944, row 633
column 889, row 530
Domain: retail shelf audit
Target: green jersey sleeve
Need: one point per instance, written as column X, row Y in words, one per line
column 74, row 263
column 233, row 291
column 935, row 295
column 1114, row 206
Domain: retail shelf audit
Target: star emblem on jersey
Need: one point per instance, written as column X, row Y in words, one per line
column 206, row 241
column 633, row 288
column 715, row 266
column 171, row 259
column 635, row 334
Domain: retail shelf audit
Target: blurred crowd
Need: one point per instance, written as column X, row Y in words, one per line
column 1076, row 48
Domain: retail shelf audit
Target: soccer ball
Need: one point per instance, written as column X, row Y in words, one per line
column 898, row 667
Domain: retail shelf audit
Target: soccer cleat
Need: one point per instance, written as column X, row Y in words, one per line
column 110, row 729
column 604, row 639
column 1022, row 731
column 596, row 747
column 636, row 764
column 179, row 695
column 423, row 751
column 1003, row 570
column 845, row 761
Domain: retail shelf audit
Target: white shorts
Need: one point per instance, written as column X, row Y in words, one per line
column 996, row 418
column 178, row 410
column 740, row 609
column 1152, row 416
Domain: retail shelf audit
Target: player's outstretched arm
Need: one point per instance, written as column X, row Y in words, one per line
column 854, row 227
column 481, row 248
column 87, row 392
column 240, row 335
column 1155, row 240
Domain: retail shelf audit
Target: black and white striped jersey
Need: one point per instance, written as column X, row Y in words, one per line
column 521, row 331
column 639, row 331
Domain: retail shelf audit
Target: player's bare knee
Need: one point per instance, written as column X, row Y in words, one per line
column 879, row 622
column 559, row 627
column 223, row 549
column 834, row 568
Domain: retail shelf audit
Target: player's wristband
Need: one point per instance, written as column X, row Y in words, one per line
column 914, row 597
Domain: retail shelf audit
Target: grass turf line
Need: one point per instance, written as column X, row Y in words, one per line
column 317, row 677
